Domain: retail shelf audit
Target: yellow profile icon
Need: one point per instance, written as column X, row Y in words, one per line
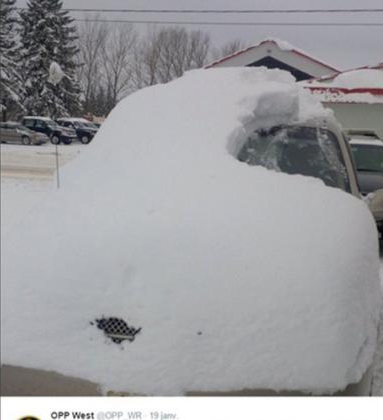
column 29, row 418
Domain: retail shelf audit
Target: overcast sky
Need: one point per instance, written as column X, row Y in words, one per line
column 341, row 46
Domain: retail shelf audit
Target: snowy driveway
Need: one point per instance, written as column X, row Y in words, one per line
column 28, row 175
column 35, row 161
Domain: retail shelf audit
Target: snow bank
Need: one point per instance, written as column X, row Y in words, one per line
column 239, row 277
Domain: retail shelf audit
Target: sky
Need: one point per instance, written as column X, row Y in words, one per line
column 343, row 47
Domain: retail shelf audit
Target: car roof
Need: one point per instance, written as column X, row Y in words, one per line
column 37, row 117
column 83, row 120
column 366, row 142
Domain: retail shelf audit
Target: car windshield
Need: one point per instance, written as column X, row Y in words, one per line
column 51, row 124
column 78, row 124
column 84, row 124
column 306, row 151
column 91, row 125
column 368, row 157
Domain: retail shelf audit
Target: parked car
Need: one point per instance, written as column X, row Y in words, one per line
column 84, row 129
column 45, row 125
column 368, row 155
column 14, row 132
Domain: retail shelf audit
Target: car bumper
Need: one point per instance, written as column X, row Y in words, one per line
column 68, row 139
column 22, row 382
column 39, row 140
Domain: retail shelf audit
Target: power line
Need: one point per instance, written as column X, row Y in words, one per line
column 169, row 22
column 221, row 11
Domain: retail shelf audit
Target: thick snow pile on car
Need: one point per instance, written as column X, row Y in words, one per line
column 226, row 276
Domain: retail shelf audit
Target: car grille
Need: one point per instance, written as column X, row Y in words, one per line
column 117, row 329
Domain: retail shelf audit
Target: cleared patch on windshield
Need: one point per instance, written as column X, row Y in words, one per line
column 117, row 329
column 306, row 151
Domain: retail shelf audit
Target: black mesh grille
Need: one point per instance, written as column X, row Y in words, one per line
column 117, row 329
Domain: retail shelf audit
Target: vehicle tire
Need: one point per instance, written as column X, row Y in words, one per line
column 26, row 141
column 85, row 139
column 55, row 139
column 67, row 141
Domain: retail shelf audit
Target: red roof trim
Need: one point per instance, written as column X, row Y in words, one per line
column 221, row 60
column 275, row 43
column 372, row 91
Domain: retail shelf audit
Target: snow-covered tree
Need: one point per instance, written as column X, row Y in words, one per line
column 11, row 87
column 49, row 48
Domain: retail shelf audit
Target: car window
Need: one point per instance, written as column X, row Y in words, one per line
column 40, row 124
column 29, row 122
column 78, row 124
column 368, row 157
column 51, row 124
column 306, row 151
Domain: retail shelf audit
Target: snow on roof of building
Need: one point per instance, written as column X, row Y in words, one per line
column 361, row 85
column 282, row 45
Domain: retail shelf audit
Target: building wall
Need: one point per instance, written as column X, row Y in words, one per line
column 356, row 116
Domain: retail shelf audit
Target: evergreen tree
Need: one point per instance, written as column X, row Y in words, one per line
column 48, row 40
column 11, row 87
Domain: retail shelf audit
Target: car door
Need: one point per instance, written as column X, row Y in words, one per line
column 41, row 127
column 7, row 134
column 3, row 132
column 29, row 123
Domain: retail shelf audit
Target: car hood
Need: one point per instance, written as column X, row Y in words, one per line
column 235, row 276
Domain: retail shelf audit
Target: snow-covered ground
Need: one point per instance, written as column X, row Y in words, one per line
column 240, row 277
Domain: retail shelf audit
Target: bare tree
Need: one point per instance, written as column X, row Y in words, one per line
column 227, row 49
column 93, row 36
column 166, row 54
column 117, row 58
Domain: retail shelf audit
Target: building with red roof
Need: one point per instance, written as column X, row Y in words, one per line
column 355, row 96
column 274, row 53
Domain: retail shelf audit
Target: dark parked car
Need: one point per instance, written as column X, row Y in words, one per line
column 56, row 133
column 84, row 129
column 14, row 132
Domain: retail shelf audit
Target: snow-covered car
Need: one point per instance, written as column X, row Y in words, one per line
column 45, row 125
column 84, row 129
column 14, row 132
column 170, row 264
